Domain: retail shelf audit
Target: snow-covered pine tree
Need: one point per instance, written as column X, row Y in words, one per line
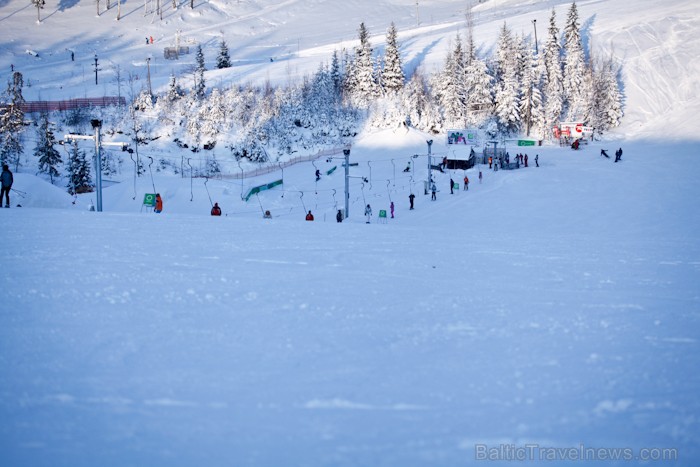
column 223, row 60
column 12, row 122
column 554, row 88
column 199, row 83
column 604, row 109
column 448, row 87
column 612, row 97
column 335, row 72
column 174, row 90
column 48, row 156
column 479, row 89
column 364, row 86
column 79, row 179
column 421, row 110
column 574, row 67
column 531, row 104
column 392, row 76
column 507, row 96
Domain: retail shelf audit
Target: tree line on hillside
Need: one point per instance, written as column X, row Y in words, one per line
column 520, row 89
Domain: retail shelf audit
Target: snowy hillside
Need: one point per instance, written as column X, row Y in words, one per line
column 285, row 41
column 549, row 312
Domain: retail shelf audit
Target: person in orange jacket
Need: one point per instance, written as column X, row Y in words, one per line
column 466, row 183
column 216, row 210
column 309, row 216
column 159, row 204
column 490, row 161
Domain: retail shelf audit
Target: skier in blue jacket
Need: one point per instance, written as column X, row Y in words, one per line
column 7, row 181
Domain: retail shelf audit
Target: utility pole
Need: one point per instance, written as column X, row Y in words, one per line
column 534, row 23
column 96, row 69
column 148, row 75
column 430, row 163
column 96, row 124
column 346, row 152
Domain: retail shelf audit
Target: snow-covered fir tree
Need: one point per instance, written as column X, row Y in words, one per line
column 223, row 60
column 531, row 100
column 392, row 75
column 364, row 89
column 554, row 88
column 574, row 84
column 45, row 151
column 507, row 96
column 199, row 83
column 448, row 87
column 335, row 72
column 12, row 122
column 174, row 90
column 604, row 109
column 419, row 107
column 79, row 178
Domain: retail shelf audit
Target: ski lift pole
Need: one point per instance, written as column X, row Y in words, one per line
column 370, row 174
column 136, row 169
column 151, row 172
column 394, row 166
column 190, row 165
column 388, row 182
column 206, row 180
column 302, row 200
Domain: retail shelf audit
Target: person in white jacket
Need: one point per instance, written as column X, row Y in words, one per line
column 368, row 213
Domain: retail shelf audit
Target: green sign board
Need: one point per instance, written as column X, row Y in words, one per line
column 382, row 213
column 526, row 142
column 149, row 199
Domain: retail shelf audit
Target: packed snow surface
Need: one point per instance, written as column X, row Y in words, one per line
column 555, row 306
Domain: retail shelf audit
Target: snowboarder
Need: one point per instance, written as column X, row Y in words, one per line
column 159, row 204
column 147, row 41
column 618, row 155
column 603, row 152
column 309, row 216
column 391, row 208
column 408, row 167
column 267, row 215
column 411, row 197
column 525, row 160
column 318, row 175
column 72, row 56
column 433, row 188
column 537, row 160
column 466, row 183
column 339, row 216
column 368, row 213
column 216, row 210
column 452, row 186
column 7, row 180
column 480, row 176
column 151, row 39
column 444, row 163
column 490, row 161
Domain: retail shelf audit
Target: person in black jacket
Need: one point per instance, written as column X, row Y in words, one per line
column 7, row 181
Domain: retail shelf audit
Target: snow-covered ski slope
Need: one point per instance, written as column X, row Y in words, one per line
column 549, row 307
column 284, row 41
column 555, row 306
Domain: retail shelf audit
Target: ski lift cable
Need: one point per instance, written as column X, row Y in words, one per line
column 151, row 171
column 206, row 188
